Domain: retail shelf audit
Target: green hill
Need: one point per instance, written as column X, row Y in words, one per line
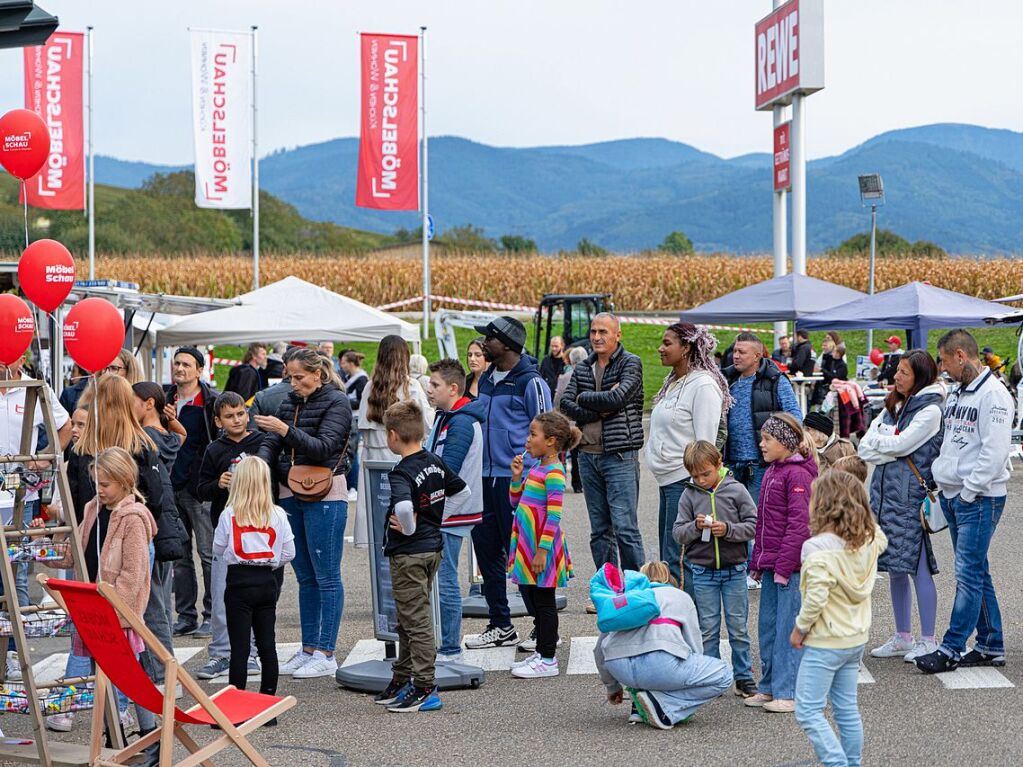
column 161, row 217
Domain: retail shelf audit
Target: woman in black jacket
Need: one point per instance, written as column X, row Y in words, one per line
column 311, row 428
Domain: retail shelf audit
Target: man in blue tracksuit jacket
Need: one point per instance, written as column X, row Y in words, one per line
column 512, row 393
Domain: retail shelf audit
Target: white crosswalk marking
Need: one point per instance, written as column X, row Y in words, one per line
column 973, row 678
column 864, row 676
column 580, row 657
column 490, row 659
column 52, row 666
column 284, row 653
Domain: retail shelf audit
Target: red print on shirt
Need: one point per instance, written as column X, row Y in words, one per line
column 253, row 538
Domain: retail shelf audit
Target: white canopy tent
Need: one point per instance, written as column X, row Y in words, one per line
column 288, row 310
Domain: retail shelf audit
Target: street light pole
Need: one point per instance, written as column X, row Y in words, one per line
column 873, row 254
column 872, row 194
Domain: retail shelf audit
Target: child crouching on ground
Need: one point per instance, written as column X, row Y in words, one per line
column 538, row 559
column 254, row 540
column 716, row 519
column 839, row 570
column 420, row 483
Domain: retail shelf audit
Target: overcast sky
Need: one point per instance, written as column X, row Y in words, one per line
column 526, row 73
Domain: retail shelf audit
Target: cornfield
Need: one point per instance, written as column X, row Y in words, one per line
column 639, row 283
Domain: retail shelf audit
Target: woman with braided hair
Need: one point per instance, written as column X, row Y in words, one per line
column 690, row 406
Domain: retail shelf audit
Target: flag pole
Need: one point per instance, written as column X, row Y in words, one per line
column 255, row 171
column 425, row 175
column 92, row 167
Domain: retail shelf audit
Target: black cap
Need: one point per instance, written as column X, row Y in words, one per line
column 820, row 422
column 507, row 330
column 200, row 360
column 988, row 350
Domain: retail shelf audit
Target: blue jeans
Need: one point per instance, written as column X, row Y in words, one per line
column 679, row 686
column 779, row 606
column 831, row 674
column 450, row 596
column 972, row 526
column 667, row 513
column 611, row 489
column 21, row 569
column 750, row 474
column 319, row 530
column 711, row 590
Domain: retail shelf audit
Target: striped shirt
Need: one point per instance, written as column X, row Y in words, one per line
column 537, row 526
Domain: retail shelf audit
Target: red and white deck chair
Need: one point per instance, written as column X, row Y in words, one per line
column 97, row 611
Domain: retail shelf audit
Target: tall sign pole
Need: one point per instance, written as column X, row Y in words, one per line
column 426, row 188
column 781, row 239
column 255, row 170
column 91, row 203
column 788, row 66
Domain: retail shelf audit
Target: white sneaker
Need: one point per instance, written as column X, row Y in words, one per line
column 455, row 657
column 353, row 495
column 60, row 722
column 13, row 667
column 896, row 647
column 295, row 662
column 317, row 666
column 492, row 637
column 525, row 661
column 536, row 669
column 127, row 722
column 920, row 647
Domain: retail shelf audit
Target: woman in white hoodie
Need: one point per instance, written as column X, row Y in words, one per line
column 902, row 443
column 689, row 406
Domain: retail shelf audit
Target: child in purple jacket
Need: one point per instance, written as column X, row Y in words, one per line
column 783, row 524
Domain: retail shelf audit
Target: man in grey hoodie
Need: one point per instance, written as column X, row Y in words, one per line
column 972, row 471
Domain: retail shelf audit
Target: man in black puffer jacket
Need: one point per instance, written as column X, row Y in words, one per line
column 605, row 398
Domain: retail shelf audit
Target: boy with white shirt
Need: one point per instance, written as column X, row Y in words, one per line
column 972, row 471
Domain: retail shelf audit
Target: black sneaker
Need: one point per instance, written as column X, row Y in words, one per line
column 936, row 663
column 635, row 716
column 745, row 688
column 394, row 692
column 650, row 709
column 420, row 699
column 977, row 658
column 184, row 628
column 492, row 637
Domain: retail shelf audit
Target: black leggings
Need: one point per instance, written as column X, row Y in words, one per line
column 250, row 605
column 540, row 604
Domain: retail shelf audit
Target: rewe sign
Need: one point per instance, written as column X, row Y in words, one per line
column 789, row 52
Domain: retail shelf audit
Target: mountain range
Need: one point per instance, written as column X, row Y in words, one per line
column 960, row 186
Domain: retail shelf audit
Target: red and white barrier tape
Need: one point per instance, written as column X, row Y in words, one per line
column 531, row 309
column 222, row 361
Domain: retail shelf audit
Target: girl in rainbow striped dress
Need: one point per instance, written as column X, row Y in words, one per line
column 538, row 559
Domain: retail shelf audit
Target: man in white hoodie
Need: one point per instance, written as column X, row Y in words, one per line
column 972, row 471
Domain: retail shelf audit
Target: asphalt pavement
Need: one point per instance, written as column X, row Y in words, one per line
column 909, row 718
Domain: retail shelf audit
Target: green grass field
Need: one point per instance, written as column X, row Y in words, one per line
column 644, row 340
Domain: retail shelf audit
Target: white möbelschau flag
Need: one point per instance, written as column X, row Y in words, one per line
column 222, row 118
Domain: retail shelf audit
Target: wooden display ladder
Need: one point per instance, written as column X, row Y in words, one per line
column 45, row 752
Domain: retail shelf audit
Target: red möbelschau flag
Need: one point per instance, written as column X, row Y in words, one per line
column 53, row 90
column 389, row 139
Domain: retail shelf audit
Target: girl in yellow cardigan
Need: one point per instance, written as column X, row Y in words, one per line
column 839, row 567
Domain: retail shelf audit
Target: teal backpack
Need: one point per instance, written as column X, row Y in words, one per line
column 624, row 599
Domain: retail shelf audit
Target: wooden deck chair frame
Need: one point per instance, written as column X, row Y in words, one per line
column 170, row 728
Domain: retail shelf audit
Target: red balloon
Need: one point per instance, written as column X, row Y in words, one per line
column 24, row 143
column 46, row 271
column 93, row 333
column 16, row 327
column 876, row 356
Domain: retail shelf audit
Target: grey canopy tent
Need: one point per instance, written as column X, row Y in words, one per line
column 916, row 308
column 782, row 298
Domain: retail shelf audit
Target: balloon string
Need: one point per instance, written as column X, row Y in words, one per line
column 24, row 196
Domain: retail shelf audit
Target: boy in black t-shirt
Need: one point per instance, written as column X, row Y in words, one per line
column 420, row 483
